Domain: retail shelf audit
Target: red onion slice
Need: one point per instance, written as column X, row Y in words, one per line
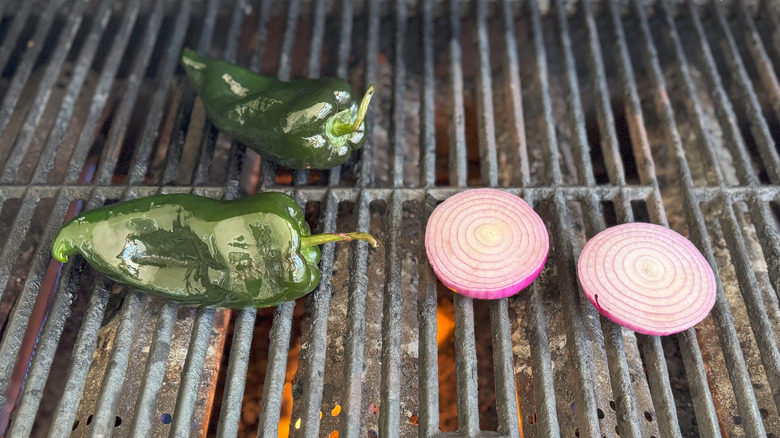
column 486, row 243
column 648, row 278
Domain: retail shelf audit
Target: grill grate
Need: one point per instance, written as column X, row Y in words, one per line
column 596, row 114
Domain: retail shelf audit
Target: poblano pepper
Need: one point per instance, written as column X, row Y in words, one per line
column 251, row 252
column 301, row 124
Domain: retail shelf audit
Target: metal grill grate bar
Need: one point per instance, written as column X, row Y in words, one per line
column 143, row 150
column 714, row 173
column 250, row 157
column 579, row 346
column 463, row 307
column 399, row 95
column 751, row 294
column 191, row 374
column 146, row 406
column 660, row 386
column 268, row 168
column 723, row 107
column 345, row 45
column 390, row 409
column 486, row 122
column 356, row 329
column 458, row 164
column 466, row 365
column 767, row 237
column 766, row 10
column 766, row 69
column 506, row 396
column 542, row 364
column 274, row 374
column 244, row 322
column 365, row 173
column 301, row 177
column 580, row 136
column 658, row 378
column 174, row 171
column 428, row 101
column 211, row 136
column 625, row 395
column 243, row 328
column 83, row 351
column 19, row 20
column 317, row 35
column 47, row 157
column 514, row 85
column 751, row 107
column 313, row 357
column 15, row 237
column 606, row 119
column 25, row 67
column 721, row 313
column 550, row 140
column 625, row 399
column 262, row 36
column 50, row 76
column 106, row 406
column 118, row 130
column 44, row 355
column 105, row 83
column 240, row 351
column 575, row 331
column 16, row 325
column 428, row 348
column 748, row 176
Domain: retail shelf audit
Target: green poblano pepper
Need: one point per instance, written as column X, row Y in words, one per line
column 251, row 252
column 301, row 124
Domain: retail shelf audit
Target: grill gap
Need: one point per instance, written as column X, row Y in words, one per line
column 445, row 338
column 485, row 376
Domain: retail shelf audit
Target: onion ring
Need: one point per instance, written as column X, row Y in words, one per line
column 486, row 243
column 648, row 278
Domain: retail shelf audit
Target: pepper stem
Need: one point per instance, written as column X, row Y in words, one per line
column 319, row 239
column 340, row 128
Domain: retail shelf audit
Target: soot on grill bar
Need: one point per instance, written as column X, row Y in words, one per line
column 576, row 207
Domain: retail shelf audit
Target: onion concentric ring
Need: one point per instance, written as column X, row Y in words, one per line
column 648, row 278
column 486, row 243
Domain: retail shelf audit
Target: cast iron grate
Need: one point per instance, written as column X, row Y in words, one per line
column 596, row 114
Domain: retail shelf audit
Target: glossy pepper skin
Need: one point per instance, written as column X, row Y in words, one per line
column 301, row 124
column 252, row 252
